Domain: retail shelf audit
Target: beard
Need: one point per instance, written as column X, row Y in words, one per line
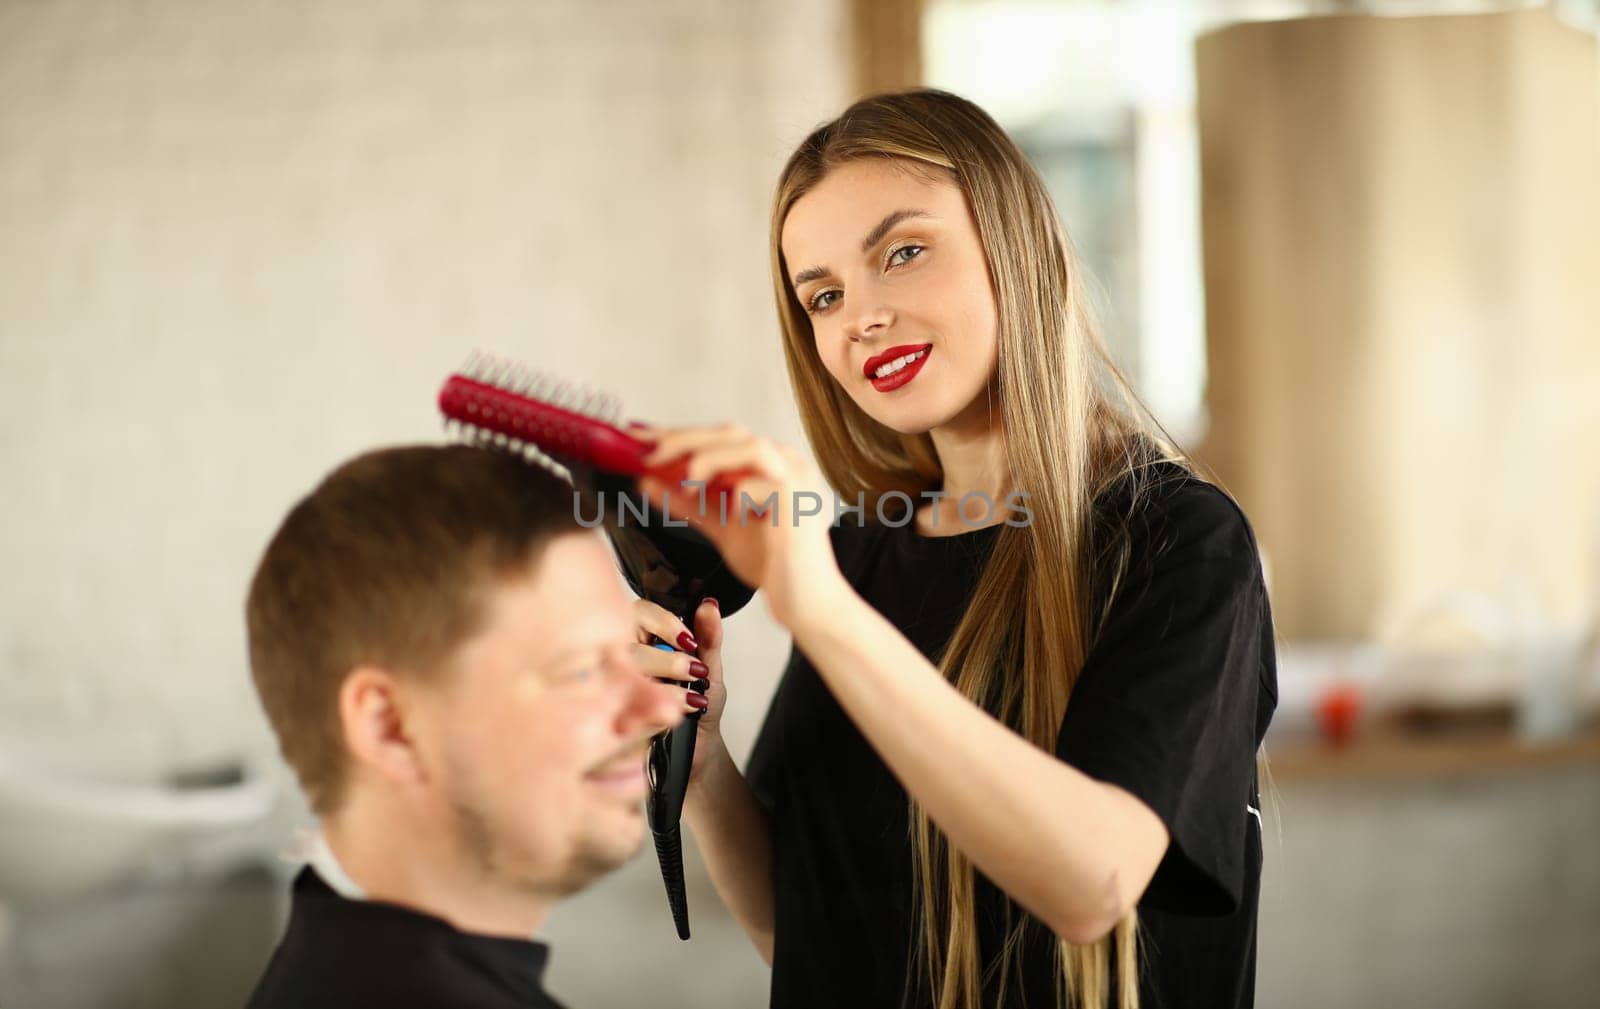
column 593, row 859
column 489, row 848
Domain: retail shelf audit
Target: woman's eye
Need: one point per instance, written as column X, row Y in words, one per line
column 906, row 248
column 816, row 304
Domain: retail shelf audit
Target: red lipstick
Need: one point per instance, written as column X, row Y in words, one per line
column 919, row 352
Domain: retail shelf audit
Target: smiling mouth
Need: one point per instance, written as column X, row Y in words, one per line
column 899, row 363
column 889, row 374
column 629, row 781
column 622, row 771
column 893, row 359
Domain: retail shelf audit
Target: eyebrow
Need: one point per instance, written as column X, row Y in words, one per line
column 873, row 237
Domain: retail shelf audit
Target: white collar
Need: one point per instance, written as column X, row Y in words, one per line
column 311, row 846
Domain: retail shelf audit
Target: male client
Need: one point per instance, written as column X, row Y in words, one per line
column 444, row 654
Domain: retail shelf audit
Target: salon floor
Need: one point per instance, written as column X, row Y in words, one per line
column 1476, row 893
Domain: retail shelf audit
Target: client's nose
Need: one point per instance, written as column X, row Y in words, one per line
column 646, row 705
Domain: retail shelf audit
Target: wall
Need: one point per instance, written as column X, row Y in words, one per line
column 246, row 240
column 1401, row 238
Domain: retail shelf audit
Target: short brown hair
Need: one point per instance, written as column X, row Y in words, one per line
column 386, row 562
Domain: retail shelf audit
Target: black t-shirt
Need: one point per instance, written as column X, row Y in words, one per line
column 342, row 954
column 1175, row 695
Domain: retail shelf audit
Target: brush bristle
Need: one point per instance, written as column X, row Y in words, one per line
column 517, row 378
column 470, row 434
column 524, row 381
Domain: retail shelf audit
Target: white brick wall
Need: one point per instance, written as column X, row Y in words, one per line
column 243, row 241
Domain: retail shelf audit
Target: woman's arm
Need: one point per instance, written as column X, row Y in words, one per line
column 736, row 841
column 1076, row 852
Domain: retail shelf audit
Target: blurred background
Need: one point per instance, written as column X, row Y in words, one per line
column 1350, row 252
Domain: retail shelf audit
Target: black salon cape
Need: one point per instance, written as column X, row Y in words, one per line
column 350, row 954
column 1172, row 703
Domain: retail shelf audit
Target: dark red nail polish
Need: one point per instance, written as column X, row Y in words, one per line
column 698, row 669
column 713, row 601
column 699, row 701
column 686, row 642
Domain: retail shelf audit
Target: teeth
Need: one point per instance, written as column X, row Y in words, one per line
column 900, row 362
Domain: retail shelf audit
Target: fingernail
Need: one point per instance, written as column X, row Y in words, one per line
column 713, row 601
column 697, row 701
column 686, row 642
column 698, row 668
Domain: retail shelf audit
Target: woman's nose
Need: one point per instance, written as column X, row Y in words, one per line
column 870, row 322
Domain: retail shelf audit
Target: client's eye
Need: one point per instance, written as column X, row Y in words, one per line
column 582, row 674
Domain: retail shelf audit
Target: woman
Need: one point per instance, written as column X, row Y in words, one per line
column 1012, row 758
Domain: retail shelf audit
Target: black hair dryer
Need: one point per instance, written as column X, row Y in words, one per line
column 673, row 566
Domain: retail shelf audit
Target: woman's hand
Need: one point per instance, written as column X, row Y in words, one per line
column 704, row 663
column 782, row 552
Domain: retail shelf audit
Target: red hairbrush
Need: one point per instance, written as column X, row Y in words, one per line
column 507, row 405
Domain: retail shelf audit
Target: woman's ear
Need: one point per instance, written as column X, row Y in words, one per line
column 377, row 726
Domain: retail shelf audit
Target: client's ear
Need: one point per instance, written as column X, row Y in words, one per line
column 374, row 720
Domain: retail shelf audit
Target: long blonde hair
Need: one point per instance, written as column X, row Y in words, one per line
column 1072, row 426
